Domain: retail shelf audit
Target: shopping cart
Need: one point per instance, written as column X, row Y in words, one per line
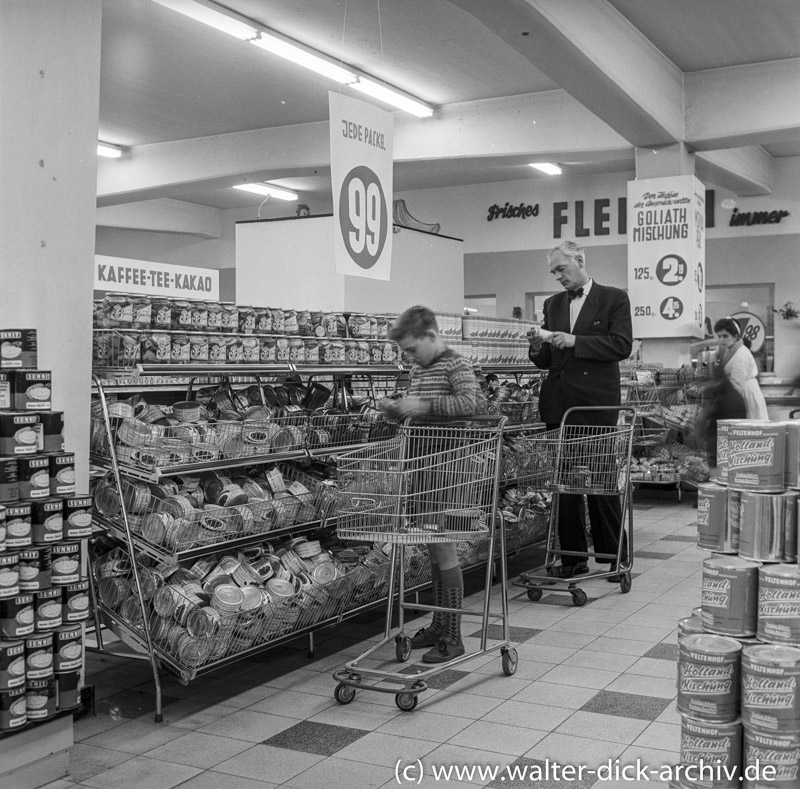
column 432, row 483
column 588, row 460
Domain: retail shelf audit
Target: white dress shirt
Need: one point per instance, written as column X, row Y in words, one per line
column 576, row 304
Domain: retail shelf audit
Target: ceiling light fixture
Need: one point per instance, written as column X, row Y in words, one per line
column 267, row 191
column 211, row 15
column 546, row 167
column 109, row 150
column 221, row 18
column 303, row 58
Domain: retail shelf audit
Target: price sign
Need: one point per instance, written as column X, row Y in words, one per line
column 752, row 328
column 666, row 256
column 361, row 173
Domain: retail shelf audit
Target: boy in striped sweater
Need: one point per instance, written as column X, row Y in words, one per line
column 441, row 384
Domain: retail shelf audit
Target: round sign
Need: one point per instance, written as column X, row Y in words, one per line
column 363, row 216
column 698, row 277
column 671, row 308
column 752, row 328
column 671, row 270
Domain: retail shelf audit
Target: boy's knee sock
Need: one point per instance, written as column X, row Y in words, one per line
column 453, row 593
column 437, row 623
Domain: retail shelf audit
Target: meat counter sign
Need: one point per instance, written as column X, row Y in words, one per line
column 666, row 256
column 361, row 175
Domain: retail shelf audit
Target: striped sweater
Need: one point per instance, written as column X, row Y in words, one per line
column 450, row 382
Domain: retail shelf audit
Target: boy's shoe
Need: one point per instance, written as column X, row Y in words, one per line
column 570, row 570
column 444, row 652
column 425, row 637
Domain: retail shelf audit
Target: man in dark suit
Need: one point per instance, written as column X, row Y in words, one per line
column 589, row 333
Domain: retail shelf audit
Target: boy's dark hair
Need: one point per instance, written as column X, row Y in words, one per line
column 415, row 321
column 729, row 325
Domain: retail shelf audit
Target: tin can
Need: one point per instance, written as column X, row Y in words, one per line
column 35, row 568
column 40, row 699
column 68, row 689
column 75, row 602
column 772, row 749
column 713, row 532
column 756, row 454
column 730, row 596
column 12, row 664
column 18, row 348
column 78, row 517
column 779, row 604
column 39, row 656
column 2, row 529
column 62, row 474
column 13, row 711
column 47, row 521
column 708, row 677
column 52, row 431
column 9, row 480
column 66, row 563
column 771, row 688
column 9, row 575
column 19, row 433
column 734, row 517
column 767, row 520
column 47, row 610
column 34, row 476
column 18, row 526
column 719, row 744
column 16, row 616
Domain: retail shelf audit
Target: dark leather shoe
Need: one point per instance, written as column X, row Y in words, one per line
column 571, row 570
column 425, row 637
column 617, row 577
column 443, row 652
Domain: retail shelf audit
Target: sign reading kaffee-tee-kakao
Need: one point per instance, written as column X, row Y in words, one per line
column 666, row 256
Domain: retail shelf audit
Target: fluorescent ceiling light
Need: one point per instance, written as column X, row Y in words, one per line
column 267, row 191
column 208, row 15
column 392, row 97
column 546, row 167
column 303, row 58
column 221, row 18
column 108, row 150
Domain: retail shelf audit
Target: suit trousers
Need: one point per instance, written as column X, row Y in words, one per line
column 605, row 525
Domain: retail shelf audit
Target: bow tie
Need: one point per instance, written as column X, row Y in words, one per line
column 575, row 294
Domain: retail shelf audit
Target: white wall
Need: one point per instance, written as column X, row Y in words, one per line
column 290, row 263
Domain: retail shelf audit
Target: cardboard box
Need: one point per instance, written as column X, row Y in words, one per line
column 31, row 390
column 18, row 349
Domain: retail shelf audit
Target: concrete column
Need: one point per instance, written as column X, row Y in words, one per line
column 49, row 101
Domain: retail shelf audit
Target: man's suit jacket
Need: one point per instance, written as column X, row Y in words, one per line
column 588, row 373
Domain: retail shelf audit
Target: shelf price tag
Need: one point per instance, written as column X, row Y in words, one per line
column 361, row 175
column 666, row 256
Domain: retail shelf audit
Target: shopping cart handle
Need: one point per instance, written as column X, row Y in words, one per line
column 461, row 421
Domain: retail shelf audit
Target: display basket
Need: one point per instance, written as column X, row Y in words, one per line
column 530, row 460
column 333, row 428
column 429, row 484
column 516, row 412
column 593, row 459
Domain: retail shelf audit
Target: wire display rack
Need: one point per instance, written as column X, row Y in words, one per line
column 431, row 484
column 587, row 460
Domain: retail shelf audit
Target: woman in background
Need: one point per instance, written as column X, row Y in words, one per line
column 735, row 359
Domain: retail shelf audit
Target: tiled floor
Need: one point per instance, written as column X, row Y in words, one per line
column 594, row 685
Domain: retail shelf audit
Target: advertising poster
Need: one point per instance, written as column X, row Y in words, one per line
column 361, row 176
column 666, row 256
column 126, row 275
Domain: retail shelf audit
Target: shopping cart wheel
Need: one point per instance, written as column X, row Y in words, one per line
column 534, row 593
column 578, row 597
column 625, row 583
column 510, row 661
column 406, row 701
column 402, row 648
column 344, row 694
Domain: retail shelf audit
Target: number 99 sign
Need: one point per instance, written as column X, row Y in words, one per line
column 363, row 216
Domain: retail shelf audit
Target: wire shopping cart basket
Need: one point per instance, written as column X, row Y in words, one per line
column 586, row 460
column 435, row 482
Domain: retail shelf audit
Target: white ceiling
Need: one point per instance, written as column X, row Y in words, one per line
column 583, row 82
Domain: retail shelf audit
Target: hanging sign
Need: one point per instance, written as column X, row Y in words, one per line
column 361, row 176
column 126, row 275
column 666, row 256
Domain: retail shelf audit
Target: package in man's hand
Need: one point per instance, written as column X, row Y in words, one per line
column 542, row 334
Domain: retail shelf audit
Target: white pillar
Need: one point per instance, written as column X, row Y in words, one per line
column 49, row 101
